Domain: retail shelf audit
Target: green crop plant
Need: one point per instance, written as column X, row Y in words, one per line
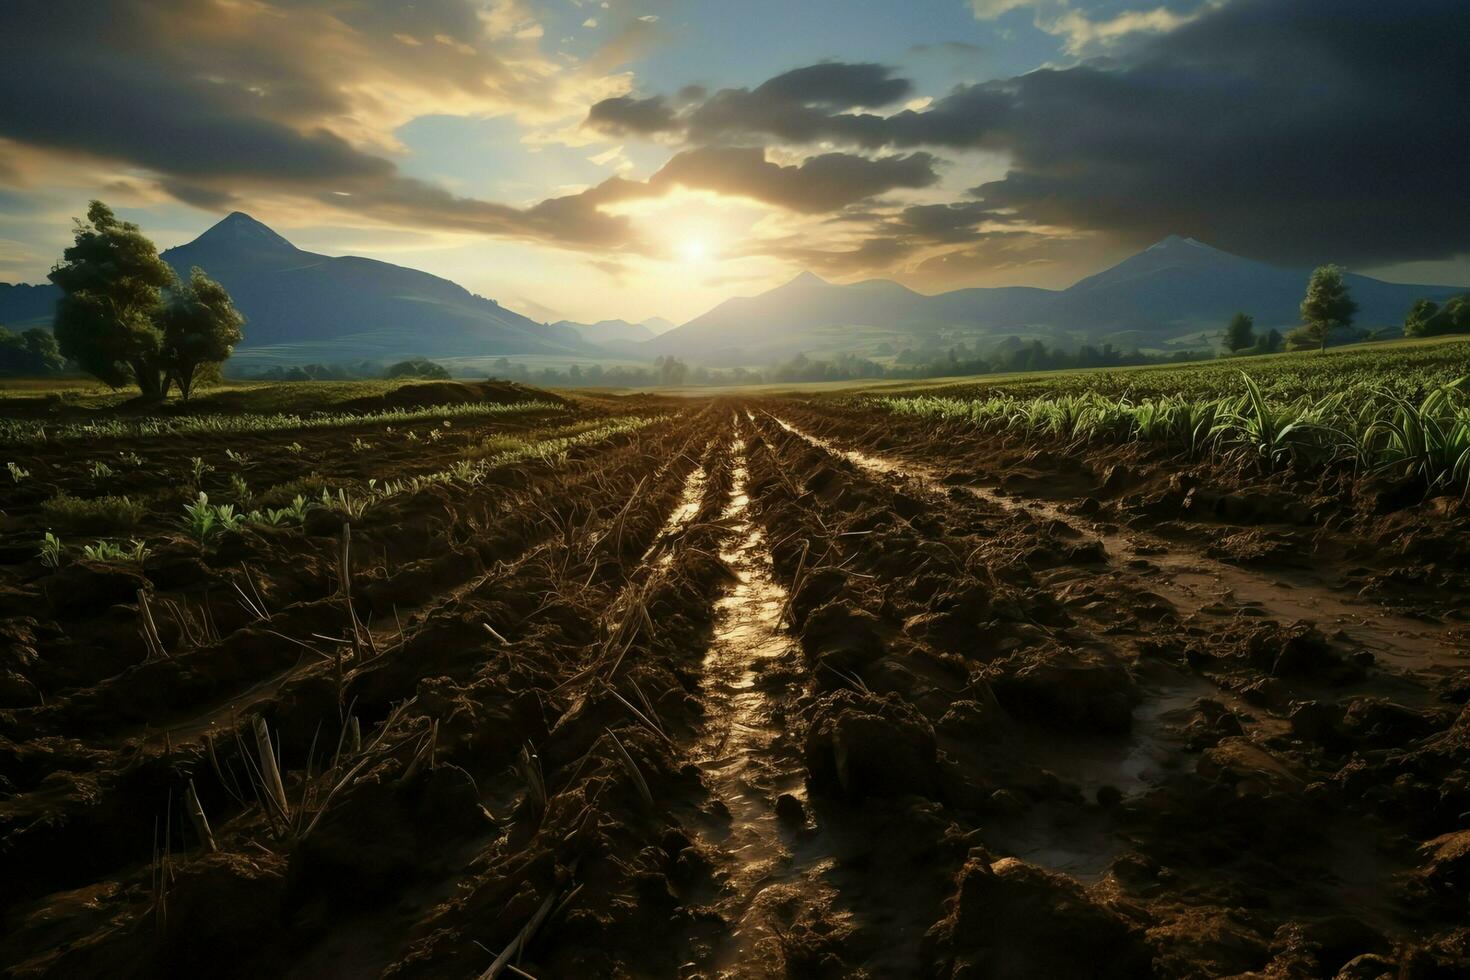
column 1367, row 428
column 241, row 490
column 52, row 551
column 106, row 551
column 25, row 431
column 98, row 514
column 203, row 520
column 1430, row 440
column 16, row 473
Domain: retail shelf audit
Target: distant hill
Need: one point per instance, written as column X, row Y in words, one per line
column 605, row 331
column 302, row 306
column 24, row 306
column 1176, row 292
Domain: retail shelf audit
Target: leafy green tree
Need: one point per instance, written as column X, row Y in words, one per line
column 30, row 354
column 1240, row 333
column 200, row 327
column 418, row 367
column 1421, row 314
column 112, row 282
column 1429, row 319
column 1327, row 305
column 1270, row 342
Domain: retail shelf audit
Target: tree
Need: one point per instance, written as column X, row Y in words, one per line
column 671, row 370
column 1270, row 342
column 29, row 354
column 1428, row 319
column 1327, row 305
column 112, row 282
column 418, row 367
column 200, row 327
column 1240, row 333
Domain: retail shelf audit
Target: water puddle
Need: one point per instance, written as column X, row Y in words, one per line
column 689, row 501
column 741, row 749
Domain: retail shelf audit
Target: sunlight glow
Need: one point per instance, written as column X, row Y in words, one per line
column 693, row 250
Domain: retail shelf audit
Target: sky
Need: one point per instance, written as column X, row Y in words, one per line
column 591, row 159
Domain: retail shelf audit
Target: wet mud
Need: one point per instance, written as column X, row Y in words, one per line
column 765, row 688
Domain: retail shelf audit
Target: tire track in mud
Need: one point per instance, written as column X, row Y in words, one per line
column 1195, row 583
column 1152, row 751
column 744, row 752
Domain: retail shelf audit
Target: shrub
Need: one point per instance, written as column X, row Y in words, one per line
column 99, row 514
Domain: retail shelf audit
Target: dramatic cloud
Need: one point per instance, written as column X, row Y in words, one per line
column 223, row 100
column 1300, row 132
column 624, row 115
column 800, row 106
column 820, row 183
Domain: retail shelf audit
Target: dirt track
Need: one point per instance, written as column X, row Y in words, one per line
column 760, row 689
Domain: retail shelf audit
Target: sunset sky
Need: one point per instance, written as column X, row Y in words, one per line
column 636, row 158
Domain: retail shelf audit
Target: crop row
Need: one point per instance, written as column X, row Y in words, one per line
column 1405, row 370
column 203, row 520
column 15, row 432
column 1428, row 438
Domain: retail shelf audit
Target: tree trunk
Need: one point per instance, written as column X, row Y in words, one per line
column 186, row 380
column 148, row 380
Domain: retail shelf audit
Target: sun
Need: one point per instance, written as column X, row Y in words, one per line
column 693, row 250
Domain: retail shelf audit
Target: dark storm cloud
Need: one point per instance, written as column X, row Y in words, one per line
column 1294, row 131
column 624, row 115
column 945, row 223
column 821, row 183
column 836, row 85
column 801, row 106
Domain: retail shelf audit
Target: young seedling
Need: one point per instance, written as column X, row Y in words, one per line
column 52, row 551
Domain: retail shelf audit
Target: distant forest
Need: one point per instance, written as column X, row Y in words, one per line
column 959, row 360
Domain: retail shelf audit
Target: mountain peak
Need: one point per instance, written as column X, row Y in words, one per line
column 239, row 229
column 1176, row 242
column 808, row 278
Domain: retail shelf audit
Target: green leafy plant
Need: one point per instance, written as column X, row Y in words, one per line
column 104, row 550
column 52, row 551
column 16, row 473
column 99, row 514
column 101, row 471
column 203, row 520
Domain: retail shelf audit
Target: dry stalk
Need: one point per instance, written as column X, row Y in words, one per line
column 148, row 629
column 269, row 768
column 633, row 770
column 196, row 814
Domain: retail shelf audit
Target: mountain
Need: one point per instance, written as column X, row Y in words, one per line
column 806, row 314
column 301, row 306
column 346, row 308
column 23, row 306
column 1181, row 286
column 608, row 331
column 1177, row 292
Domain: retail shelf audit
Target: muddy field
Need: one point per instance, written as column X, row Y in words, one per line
column 757, row 688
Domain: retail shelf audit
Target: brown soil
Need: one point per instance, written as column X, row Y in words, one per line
column 760, row 689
